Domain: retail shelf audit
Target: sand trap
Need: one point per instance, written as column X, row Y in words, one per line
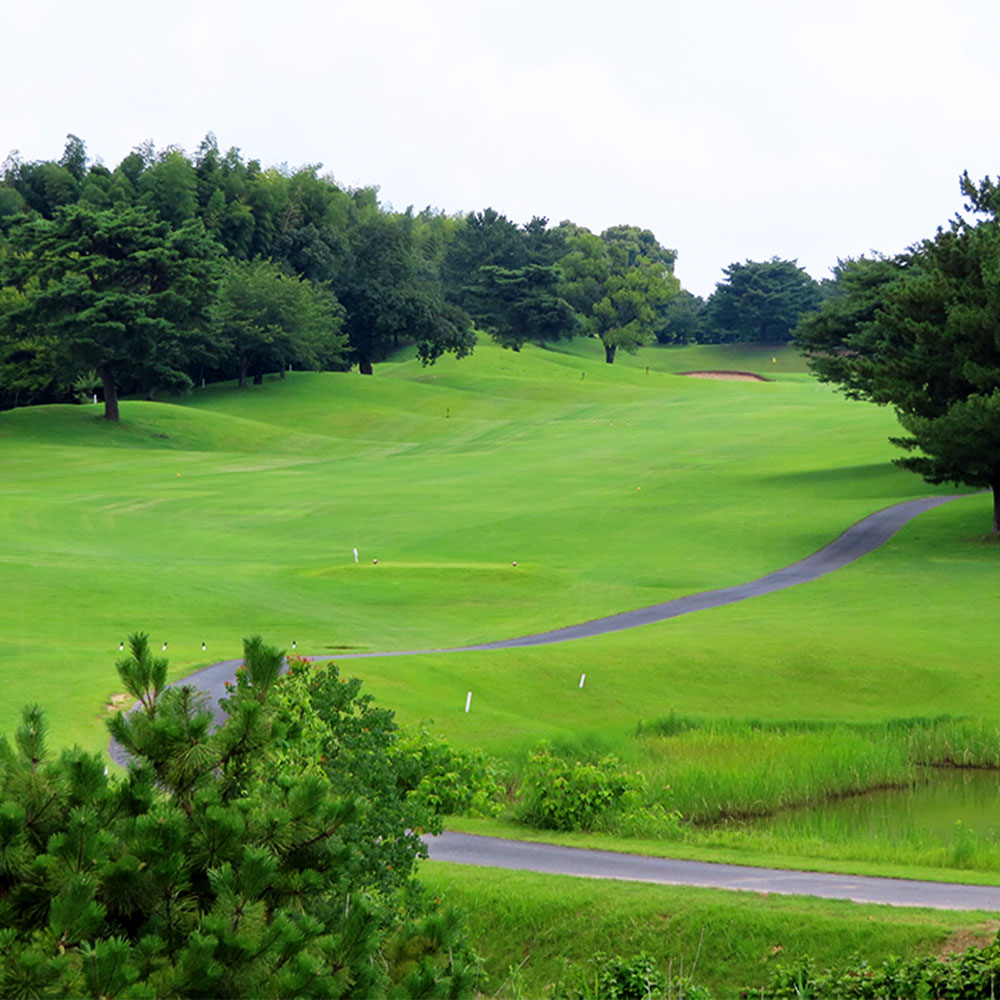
column 734, row 376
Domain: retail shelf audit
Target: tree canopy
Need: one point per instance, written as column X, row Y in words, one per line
column 921, row 332
column 213, row 226
column 117, row 291
column 268, row 319
column 761, row 301
column 618, row 282
column 211, row 870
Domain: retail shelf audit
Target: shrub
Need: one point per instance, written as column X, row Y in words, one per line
column 638, row 978
column 558, row 795
column 974, row 973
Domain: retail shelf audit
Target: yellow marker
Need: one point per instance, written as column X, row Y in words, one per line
column 178, row 475
column 774, row 361
column 638, row 488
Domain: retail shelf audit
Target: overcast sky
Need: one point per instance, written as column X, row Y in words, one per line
column 733, row 130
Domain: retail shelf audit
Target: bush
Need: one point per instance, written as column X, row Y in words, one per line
column 638, row 978
column 447, row 780
column 558, row 795
column 974, row 973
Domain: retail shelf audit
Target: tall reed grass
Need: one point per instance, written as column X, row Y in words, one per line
column 701, row 775
column 731, row 772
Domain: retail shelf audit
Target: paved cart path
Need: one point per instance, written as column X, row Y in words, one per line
column 858, row 540
column 521, row 855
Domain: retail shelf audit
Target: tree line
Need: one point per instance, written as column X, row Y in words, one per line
column 173, row 269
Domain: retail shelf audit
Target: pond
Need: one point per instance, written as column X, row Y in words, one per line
column 930, row 808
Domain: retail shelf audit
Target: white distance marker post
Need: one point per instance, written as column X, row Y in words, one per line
column 355, row 556
column 583, row 677
column 468, row 702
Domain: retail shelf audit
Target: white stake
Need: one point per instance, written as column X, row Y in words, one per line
column 95, row 397
column 355, row 555
column 468, row 701
column 583, row 677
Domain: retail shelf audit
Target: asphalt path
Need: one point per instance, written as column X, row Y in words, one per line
column 520, row 855
column 857, row 541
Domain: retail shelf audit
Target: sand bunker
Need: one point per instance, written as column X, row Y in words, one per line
column 735, row 376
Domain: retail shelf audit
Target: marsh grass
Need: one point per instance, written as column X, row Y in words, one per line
column 711, row 775
column 957, row 743
column 712, row 781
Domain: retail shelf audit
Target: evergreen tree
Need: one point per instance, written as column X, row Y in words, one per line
column 193, row 875
column 119, row 291
column 919, row 332
column 761, row 301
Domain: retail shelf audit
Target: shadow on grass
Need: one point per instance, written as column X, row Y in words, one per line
column 877, row 480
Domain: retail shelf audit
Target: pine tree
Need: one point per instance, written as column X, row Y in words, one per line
column 191, row 875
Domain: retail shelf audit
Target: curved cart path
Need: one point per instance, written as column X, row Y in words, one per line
column 856, row 541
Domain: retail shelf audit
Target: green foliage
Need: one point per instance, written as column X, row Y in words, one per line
column 195, row 876
column 117, row 291
column 268, row 320
column 682, row 320
column 506, row 278
column 389, row 296
column 448, row 780
column 761, row 301
column 638, row 978
column 619, row 283
column 329, row 728
column 918, row 332
column 973, row 973
column 518, row 305
column 559, row 795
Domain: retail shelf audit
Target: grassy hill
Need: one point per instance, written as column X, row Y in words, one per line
column 611, row 488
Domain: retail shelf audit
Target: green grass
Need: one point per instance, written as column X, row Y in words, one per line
column 773, row 361
column 612, row 487
column 238, row 512
column 537, row 922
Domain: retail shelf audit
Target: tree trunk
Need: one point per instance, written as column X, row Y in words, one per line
column 110, row 393
column 242, row 384
column 609, row 353
column 364, row 365
column 258, row 378
column 996, row 507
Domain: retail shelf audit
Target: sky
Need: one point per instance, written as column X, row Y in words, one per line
column 801, row 129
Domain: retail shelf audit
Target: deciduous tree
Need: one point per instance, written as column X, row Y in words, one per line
column 267, row 320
